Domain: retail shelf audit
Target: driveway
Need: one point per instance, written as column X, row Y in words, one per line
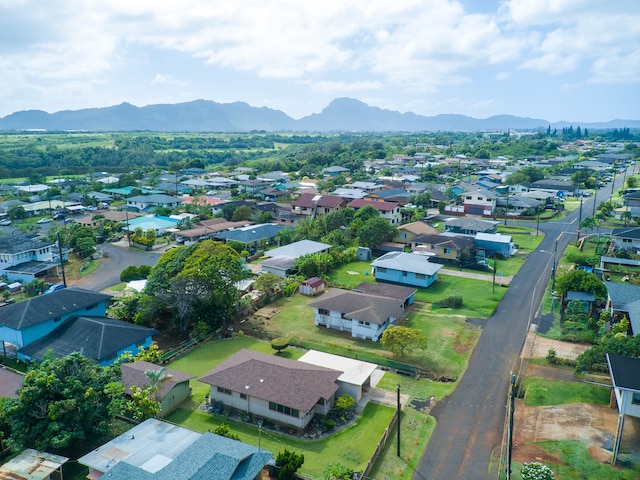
column 117, row 257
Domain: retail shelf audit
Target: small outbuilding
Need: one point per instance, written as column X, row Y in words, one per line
column 312, row 286
column 33, row 465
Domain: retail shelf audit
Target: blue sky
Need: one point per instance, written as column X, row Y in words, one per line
column 573, row 60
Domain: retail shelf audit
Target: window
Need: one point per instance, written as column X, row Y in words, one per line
column 404, row 274
column 480, row 199
column 226, row 391
column 361, row 322
column 276, row 407
column 382, row 269
column 243, row 396
column 421, row 276
column 635, row 398
column 322, row 311
column 468, row 197
column 446, row 251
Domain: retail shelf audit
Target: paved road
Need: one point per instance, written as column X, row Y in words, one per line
column 117, row 258
column 466, row 443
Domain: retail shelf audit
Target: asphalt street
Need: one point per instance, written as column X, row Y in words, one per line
column 467, row 441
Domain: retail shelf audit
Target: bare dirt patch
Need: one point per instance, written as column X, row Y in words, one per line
column 541, row 347
column 267, row 312
column 594, row 425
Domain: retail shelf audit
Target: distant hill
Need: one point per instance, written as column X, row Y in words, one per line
column 342, row 114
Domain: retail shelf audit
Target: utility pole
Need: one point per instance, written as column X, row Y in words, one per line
column 512, row 407
column 64, row 279
column 398, row 413
column 553, row 271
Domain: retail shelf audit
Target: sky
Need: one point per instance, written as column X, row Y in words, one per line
column 572, row 60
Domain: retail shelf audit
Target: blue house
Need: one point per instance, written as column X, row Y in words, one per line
column 405, row 269
column 65, row 321
column 494, row 244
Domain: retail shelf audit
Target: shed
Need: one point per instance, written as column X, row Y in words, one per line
column 14, row 287
column 363, row 254
column 312, row 286
column 32, row 465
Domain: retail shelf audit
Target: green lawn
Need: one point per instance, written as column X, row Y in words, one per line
column 577, row 464
column 542, row 391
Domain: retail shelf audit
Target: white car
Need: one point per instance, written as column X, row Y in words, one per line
column 5, row 223
column 44, row 220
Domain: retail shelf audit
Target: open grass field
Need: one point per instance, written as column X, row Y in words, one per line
column 542, row 391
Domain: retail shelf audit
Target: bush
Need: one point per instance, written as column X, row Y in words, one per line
column 279, row 344
column 536, row 471
column 452, row 301
column 289, row 463
column 135, row 273
column 345, row 404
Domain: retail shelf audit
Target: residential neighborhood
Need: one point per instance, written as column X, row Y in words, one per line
column 255, row 310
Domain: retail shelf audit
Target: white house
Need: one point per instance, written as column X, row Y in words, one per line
column 23, row 257
column 625, row 377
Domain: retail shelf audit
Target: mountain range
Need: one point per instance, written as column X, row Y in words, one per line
column 342, row 114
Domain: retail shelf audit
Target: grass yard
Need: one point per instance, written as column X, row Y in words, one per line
column 577, row 464
column 541, row 392
column 479, row 298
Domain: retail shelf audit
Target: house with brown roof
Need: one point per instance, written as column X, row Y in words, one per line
column 174, row 388
column 409, row 231
column 456, row 249
column 284, row 391
column 365, row 315
column 310, row 204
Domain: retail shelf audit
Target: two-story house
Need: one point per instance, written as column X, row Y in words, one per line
column 25, row 257
column 389, row 210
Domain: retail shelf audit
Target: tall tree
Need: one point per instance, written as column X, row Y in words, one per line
column 401, row 340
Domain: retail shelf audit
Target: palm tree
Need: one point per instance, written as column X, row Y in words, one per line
column 156, row 379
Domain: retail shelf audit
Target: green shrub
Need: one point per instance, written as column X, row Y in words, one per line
column 279, row 344
column 452, row 301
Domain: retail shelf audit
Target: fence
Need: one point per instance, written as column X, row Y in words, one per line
column 181, row 349
column 380, row 447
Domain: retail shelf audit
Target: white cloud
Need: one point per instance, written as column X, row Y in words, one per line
column 343, row 87
column 166, row 79
column 502, row 75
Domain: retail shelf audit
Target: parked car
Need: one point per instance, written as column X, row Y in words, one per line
column 91, row 208
column 58, row 216
column 5, row 222
column 44, row 220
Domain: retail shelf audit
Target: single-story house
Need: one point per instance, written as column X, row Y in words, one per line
column 312, row 286
column 470, row 226
column 174, row 389
column 251, row 235
column 284, row 391
column 151, row 222
column 23, row 323
column 625, row 377
column 356, row 374
column 443, row 248
column 146, row 203
column 623, row 299
column 157, row 450
column 405, row 269
column 101, row 339
column 627, row 238
column 495, row 244
column 365, row 315
column 33, row 465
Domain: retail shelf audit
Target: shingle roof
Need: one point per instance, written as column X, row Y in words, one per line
column 631, row 232
column 360, row 306
column 407, row 262
column 274, row 379
column 626, row 297
column 18, row 243
column 625, row 371
column 39, row 309
column 418, row 228
column 133, row 374
column 458, row 242
column 380, row 206
column 9, row 383
column 387, row 290
column 252, row 234
column 154, row 198
column 97, row 338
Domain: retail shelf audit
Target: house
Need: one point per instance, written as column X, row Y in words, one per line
column 495, row 244
column 309, row 204
column 23, row 257
column 405, row 295
column 625, row 378
column 251, row 235
column 174, row 389
column 281, row 259
column 623, row 299
column 627, row 238
column 409, row 231
column 283, row 391
column 517, row 204
column 33, row 465
column 253, row 187
column 334, row 171
column 157, row 450
column 312, row 286
column 470, row 226
column 364, row 315
column 10, row 382
column 25, row 322
column 356, row 374
column 158, row 223
column 146, row 203
column 389, row 210
column 101, row 339
column 405, row 269
column 207, row 229
column 479, row 202
column 456, row 249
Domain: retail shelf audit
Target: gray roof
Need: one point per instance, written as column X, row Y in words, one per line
column 274, row 379
column 31, row 268
column 133, row 374
column 360, row 306
column 581, row 296
column 407, row 262
column 18, row 243
column 9, row 383
column 252, row 234
column 625, row 297
column 97, row 338
column 40, row 309
column 298, row 249
column 493, row 237
column 628, row 232
column 625, row 371
column 159, row 198
column 280, row 262
column 156, row 450
column 471, row 224
column 387, row 290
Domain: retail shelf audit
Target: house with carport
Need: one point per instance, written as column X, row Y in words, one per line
column 625, row 378
column 271, row 387
column 281, row 259
column 25, row 257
